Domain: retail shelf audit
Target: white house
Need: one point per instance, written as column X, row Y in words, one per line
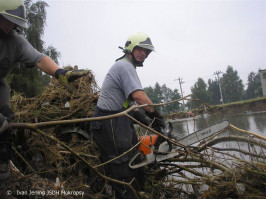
column 263, row 81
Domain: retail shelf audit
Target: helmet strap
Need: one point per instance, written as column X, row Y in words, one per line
column 120, row 57
column 135, row 62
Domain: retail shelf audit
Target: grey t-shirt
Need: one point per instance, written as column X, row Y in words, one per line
column 119, row 83
column 15, row 48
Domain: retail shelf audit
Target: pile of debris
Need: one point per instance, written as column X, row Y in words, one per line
column 58, row 101
column 40, row 160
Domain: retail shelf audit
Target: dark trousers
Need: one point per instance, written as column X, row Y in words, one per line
column 114, row 137
column 5, row 138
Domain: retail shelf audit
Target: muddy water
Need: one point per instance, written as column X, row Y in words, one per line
column 255, row 122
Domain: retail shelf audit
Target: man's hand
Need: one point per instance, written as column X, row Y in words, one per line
column 158, row 124
column 66, row 76
column 75, row 74
column 159, row 121
column 138, row 115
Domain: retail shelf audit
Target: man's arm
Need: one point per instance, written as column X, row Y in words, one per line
column 47, row 65
column 141, row 98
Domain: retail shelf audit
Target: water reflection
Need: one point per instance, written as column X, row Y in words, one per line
column 260, row 121
column 255, row 122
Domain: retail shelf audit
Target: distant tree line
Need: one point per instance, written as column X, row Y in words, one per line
column 232, row 88
column 231, row 85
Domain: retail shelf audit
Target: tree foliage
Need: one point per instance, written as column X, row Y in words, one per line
column 214, row 92
column 36, row 18
column 31, row 81
column 254, row 88
column 170, row 95
column 199, row 90
column 52, row 53
column 232, row 86
column 163, row 94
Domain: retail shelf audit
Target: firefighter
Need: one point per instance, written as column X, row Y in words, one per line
column 116, row 136
column 14, row 48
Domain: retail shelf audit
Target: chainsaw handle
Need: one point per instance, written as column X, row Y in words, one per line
column 138, row 165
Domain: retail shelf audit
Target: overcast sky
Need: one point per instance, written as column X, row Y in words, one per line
column 192, row 39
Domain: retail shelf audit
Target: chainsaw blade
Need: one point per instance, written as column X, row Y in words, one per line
column 163, row 152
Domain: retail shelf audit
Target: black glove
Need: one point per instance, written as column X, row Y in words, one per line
column 138, row 115
column 159, row 121
column 67, row 76
column 159, row 124
column 154, row 114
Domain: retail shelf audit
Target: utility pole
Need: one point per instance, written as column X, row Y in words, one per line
column 180, row 83
column 217, row 74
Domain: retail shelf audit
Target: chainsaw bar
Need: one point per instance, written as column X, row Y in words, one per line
column 163, row 151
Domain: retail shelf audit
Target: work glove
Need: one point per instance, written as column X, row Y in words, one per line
column 159, row 121
column 67, row 76
column 158, row 125
column 138, row 115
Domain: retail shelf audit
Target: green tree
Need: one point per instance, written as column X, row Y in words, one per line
column 150, row 91
column 155, row 94
column 199, row 90
column 214, row 92
column 232, row 86
column 31, row 81
column 169, row 95
column 158, row 93
column 254, row 88
column 52, row 53
column 162, row 94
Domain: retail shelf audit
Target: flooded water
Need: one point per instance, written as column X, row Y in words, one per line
column 255, row 122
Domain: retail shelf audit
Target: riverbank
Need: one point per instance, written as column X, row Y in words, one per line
column 251, row 105
column 246, row 106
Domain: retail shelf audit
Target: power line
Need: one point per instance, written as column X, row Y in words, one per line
column 217, row 73
column 180, row 85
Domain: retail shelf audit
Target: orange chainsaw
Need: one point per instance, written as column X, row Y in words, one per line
column 152, row 152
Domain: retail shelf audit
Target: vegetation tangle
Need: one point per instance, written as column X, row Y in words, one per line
column 53, row 154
